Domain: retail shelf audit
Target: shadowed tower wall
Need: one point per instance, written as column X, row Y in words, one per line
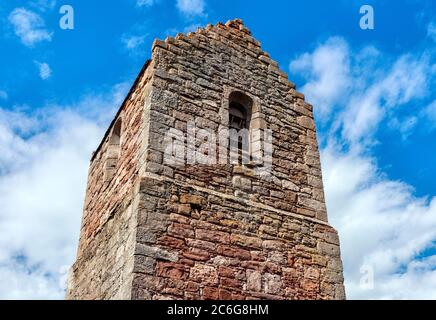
column 159, row 229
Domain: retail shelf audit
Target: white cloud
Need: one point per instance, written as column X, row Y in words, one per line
column 404, row 126
column 29, row 26
column 358, row 86
column 131, row 42
column 188, row 28
column 404, row 81
column 327, row 72
column 44, row 70
column 380, row 221
column 191, row 7
column 382, row 225
column 430, row 111
column 43, row 167
column 191, row 28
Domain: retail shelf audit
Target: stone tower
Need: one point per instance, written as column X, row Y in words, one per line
column 158, row 224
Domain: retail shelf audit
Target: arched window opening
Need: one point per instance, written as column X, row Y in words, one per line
column 240, row 106
column 237, row 116
column 113, row 151
column 115, row 138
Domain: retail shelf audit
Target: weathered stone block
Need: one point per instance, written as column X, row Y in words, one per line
column 204, row 274
column 245, row 241
column 172, row 270
column 329, row 249
column 212, row 235
column 273, row 283
column 155, row 252
column 234, row 252
column 254, row 280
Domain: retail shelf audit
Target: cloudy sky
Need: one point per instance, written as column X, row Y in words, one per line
column 374, row 104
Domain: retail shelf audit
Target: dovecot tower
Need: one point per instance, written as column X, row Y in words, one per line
column 207, row 184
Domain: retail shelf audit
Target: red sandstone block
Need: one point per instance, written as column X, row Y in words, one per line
column 234, row 252
column 272, row 267
column 172, row 270
column 227, row 272
column 206, row 245
column 237, row 296
column 192, row 286
column 210, row 293
column 255, row 265
column 212, row 235
column 309, row 285
column 192, row 296
column 258, row 255
column 174, row 291
column 312, row 273
column 196, row 254
column 176, row 283
column 245, row 241
column 290, row 293
column 289, row 275
column 179, row 218
column 291, row 196
column 171, row 242
column 231, row 283
column 181, row 230
column 225, row 294
column 187, row 262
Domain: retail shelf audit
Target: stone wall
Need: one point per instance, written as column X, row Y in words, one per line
column 102, row 195
column 109, row 218
column 104, row 268
column 194, row 77
column 200, row 244
column 154, row 230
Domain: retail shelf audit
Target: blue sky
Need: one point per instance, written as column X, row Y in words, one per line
column 372, row 92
